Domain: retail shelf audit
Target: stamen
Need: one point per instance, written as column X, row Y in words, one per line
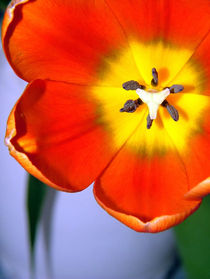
column 154, row 81
column 152, row 98
column 131, row 105
column 172, row 111
column 149, row 122
column 132, row 85
column 176, row 88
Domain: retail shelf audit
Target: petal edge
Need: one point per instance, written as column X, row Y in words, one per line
column 156, row 225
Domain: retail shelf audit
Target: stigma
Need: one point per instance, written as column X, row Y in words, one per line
column 153, row 100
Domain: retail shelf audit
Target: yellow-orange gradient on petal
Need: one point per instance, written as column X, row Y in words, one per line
column 111, row 97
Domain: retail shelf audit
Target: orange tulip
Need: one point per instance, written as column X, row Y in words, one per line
column 118, row 94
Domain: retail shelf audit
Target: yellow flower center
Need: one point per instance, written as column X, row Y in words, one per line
column 134, row 63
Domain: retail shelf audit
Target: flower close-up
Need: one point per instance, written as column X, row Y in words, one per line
column 118, row 94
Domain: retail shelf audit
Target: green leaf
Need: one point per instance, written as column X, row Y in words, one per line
column 47, row 226
column 193, row 237
column 36, row 193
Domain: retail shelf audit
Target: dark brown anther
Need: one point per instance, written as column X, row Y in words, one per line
column 131, row 105
column 172, row 111
column 149, row 122
column 132, row 85
column 154, row 81
column 176, row 88
column 138, row 102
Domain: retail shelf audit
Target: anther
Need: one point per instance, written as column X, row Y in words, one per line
column 131, row 105
column 132, row 85
column 172, row 111
column 176, row 88
column 154, row 81
column 149, row 122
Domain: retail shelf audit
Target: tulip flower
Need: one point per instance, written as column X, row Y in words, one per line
column 118, row 93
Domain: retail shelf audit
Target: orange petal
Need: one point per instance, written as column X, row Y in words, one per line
column 195, row 75
column 191, row 135
column 60, row 40
column 55, row 132
column 197, row 166
column 156, row 225
column 170, row 31
column 199, row 191
column 147, row 194
column 146, row 186
column 183, row 22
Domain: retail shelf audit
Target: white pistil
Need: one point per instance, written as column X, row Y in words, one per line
column 153, row 100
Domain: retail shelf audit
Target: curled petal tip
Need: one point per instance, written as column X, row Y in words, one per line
column 13, row 4
column 199, row 191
